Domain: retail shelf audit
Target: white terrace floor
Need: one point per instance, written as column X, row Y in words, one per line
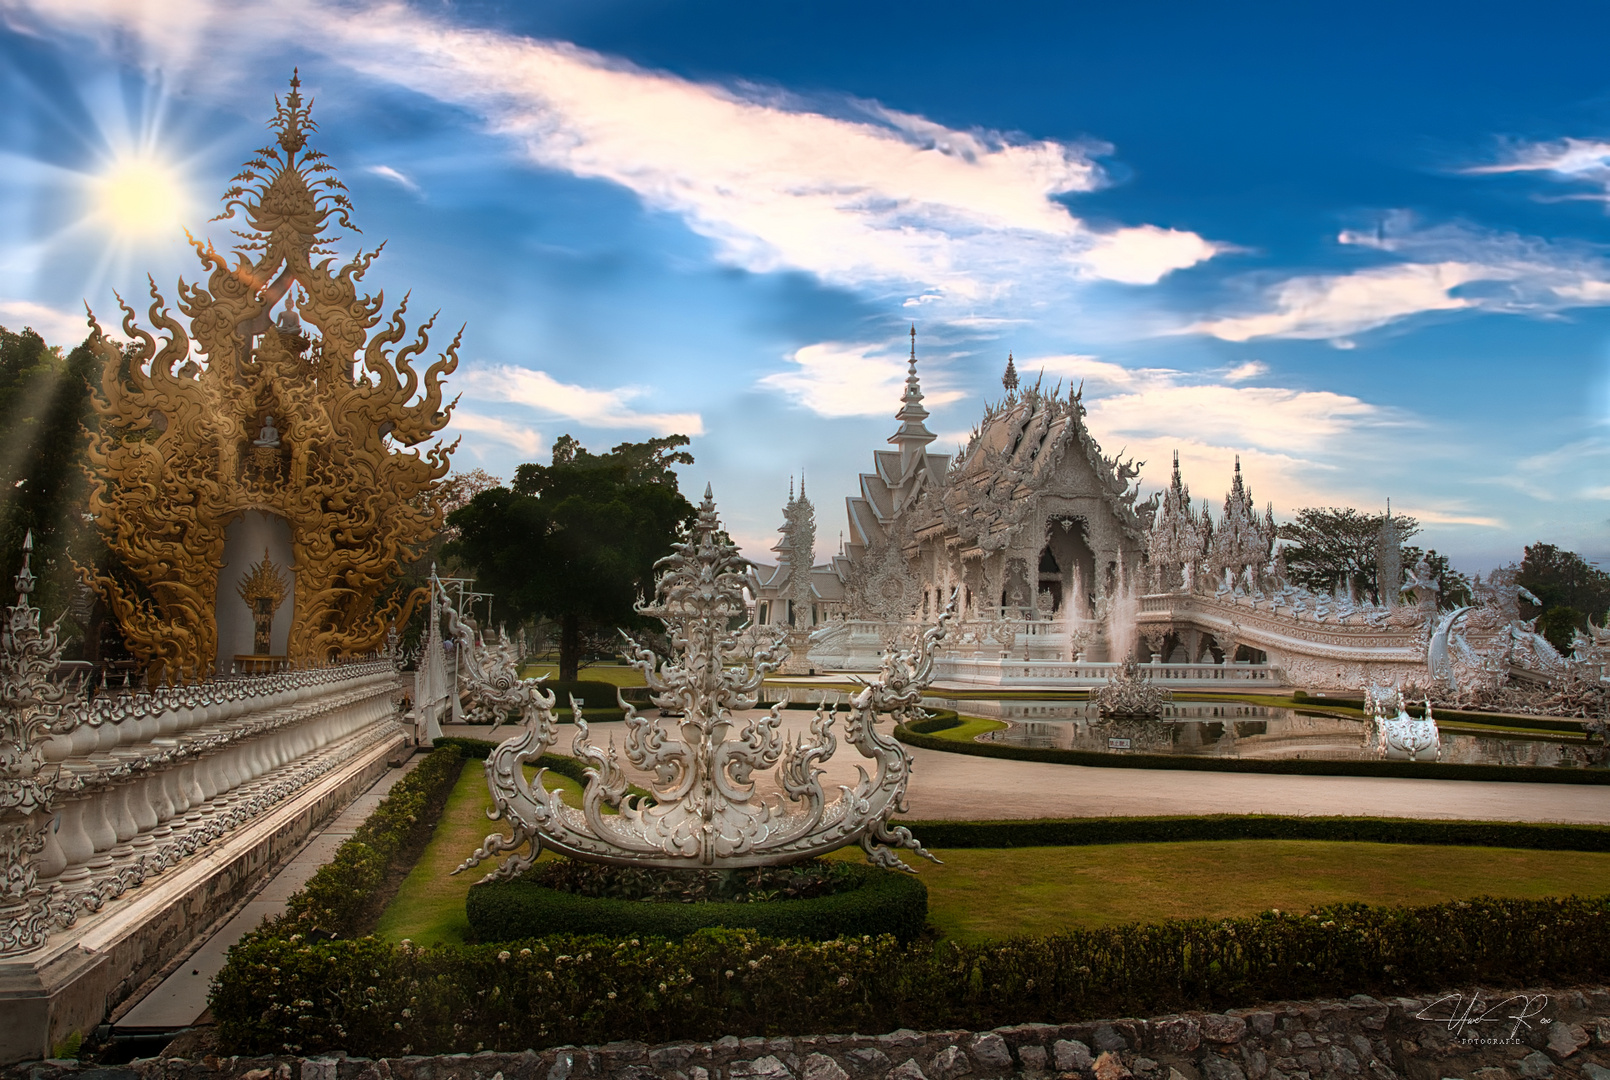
column 961, row 786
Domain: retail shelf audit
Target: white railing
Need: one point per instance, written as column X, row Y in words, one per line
column 1052, row 673
column 131, row 783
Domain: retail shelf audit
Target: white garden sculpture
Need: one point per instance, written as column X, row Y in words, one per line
column 702, row 756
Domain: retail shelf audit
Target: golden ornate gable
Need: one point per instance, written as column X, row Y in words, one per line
column 307, row 416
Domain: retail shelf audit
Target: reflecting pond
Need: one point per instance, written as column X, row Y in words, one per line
column 1235, row 730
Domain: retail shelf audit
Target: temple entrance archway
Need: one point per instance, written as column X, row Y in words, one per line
column 246, row 541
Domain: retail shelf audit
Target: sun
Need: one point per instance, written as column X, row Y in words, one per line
column 140, row 197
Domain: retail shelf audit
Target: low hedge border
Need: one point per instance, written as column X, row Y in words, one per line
column 1418, row 770
column 885, row 902
column 347, row 894
column 372, row 999
column 1074, row 832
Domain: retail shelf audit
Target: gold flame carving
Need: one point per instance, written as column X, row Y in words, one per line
column 264, row 591
column 308, row 416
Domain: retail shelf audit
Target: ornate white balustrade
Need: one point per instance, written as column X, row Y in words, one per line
column 1051, row 673
column 99, row 793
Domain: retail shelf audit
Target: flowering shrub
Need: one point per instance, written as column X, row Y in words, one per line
column 292, row 995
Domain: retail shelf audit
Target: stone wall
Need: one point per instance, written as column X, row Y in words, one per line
column 1563, row 1034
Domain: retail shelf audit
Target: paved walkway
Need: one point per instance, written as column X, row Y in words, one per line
column 961, row 786
column 180, row 999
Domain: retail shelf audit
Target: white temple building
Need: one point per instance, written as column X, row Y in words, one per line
column 1060, row 573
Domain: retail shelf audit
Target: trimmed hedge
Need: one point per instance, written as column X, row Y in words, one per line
column 938, row 720
column 347, row 894
column 1148, row 830
column 1419, row 770
column 373, row 999
column 885, row 902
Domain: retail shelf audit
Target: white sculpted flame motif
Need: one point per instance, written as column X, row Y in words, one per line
column 706, row 811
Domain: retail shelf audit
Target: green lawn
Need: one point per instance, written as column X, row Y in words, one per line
column 970, row 728
column 993, row 893
column 614, row 674
column 429, row 908
column 984, row 893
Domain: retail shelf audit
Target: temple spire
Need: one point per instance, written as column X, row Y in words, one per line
column 913, row 436
column 1009, row 379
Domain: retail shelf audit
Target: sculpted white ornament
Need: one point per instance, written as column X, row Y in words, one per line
column 703, row 759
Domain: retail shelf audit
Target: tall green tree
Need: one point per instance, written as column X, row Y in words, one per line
column 1569, row 590
column 576, row 540
column 44, row 407
column 1333, row 543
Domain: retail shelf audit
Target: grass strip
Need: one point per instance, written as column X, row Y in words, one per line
column 1072, row 832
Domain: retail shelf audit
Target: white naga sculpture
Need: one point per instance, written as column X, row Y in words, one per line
column 705, row 811
column 1394, row 733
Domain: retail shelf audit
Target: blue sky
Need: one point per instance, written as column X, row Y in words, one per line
column 1366, row 247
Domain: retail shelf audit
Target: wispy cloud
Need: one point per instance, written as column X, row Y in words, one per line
column 1251, row 369
column 1159, row 401
column 527, row 440
column 57, row 327
column 386, row 172
column 542, row 393
column 835, row 379
column 1583, row 161
column 859, row 195
column 1444, row 268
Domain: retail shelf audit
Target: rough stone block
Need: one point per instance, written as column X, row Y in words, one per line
column 1595, row 1072
column 761, row 1068
column 991, row 1055
column 1107, row 1038
column 672, row 1056
column 1566, row 1039
column 907, row 1070
column 867, row 1060
column 1218, row 1067
column 1070, row 1054
column 1109, row 1066
column 950, row 1063
column 1180, row 1035
column 901, row 1040
column 1032, row 1057
column 822, row 1067
column 1535, row 1065
column 1225, row 1030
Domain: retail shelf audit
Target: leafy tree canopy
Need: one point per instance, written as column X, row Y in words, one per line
column 1333, row 543
column 44, row 405
column 1569, row 590
column 576, row 540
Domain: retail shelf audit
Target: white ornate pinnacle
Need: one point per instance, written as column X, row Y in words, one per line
column 706, row 812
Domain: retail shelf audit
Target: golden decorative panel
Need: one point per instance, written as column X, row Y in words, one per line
column 307, row 415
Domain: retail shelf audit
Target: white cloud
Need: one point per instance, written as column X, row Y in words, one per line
column 537, row 390
column 1251, row 369
column 834, row 380
column 1297, row 447
column 1446, row 268
column 1433, row 516
column 527, row 440
column 386, row 172
column 57, row 327
column 1579, row 160
column 869, row 198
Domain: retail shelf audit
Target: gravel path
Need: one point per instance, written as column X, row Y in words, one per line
column 960, row 786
